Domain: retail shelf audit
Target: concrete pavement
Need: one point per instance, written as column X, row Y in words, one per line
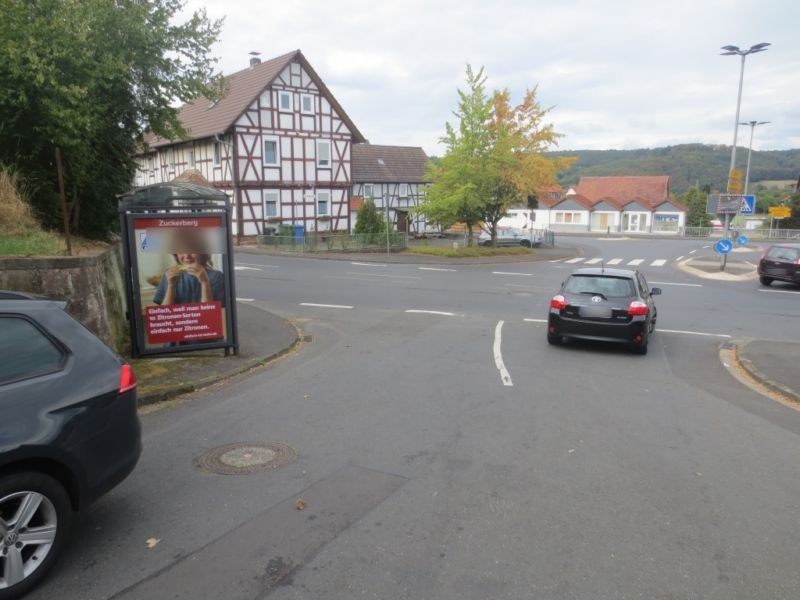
column 772, row 363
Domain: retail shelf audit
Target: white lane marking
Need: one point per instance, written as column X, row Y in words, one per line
column 593, row 261
column 240, row 268
column 432, row 312
column 389, row 276
column 779, row 291
column 680, row 284
column 692, row 252
column 556, row 260
column 679, row 258
column 572, row 261
column 636, row 261
column 721, row 335
column 614, row 261
column 436, row 269
column 510, row 273
column 498, row 356
column 704, row 247
column 360, row 264
column 658, row 263
column 314, row 304
column 257, row 265
column 535, row 320
column 245, row 299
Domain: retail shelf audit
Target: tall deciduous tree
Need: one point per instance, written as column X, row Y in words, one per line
column 89, row 77
column 494, row 159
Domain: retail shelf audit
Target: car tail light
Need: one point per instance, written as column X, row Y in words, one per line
column 558, row 302
column 127, row 380
column 637, row 308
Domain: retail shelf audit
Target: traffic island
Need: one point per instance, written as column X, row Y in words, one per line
column 708, row 268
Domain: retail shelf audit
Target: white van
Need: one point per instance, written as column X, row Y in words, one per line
column 518, row 218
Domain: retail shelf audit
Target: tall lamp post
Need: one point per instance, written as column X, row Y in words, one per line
column 730, row 51
column 753, row 125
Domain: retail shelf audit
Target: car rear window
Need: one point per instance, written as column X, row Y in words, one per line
column 25, row 351
column 783, row 253
column 609, row 286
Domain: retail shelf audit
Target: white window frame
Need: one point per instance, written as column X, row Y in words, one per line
column 281, row 95
column 369, row 190
column 402, row 190
column 170, row 160
column 330, row 154
column 274, row 198
column 303, row 98
column 217, row 151
column 323, row 200
column 276, row 140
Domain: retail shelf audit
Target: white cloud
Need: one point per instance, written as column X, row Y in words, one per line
column 620, row 74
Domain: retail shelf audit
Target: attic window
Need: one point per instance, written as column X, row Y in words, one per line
column 380, row 162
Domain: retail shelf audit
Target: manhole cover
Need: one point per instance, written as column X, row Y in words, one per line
column 246, row 457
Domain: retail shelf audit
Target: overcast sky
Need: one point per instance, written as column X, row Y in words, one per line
column 618, row 74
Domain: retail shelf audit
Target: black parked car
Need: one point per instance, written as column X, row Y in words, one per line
column 612, row 305
column 69, row 432
column 780, row 262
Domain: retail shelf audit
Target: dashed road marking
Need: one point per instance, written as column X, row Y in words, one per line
column 436, row 269
column 680, row 284
column 387, row 276
column 243, row 268
column 498, row 355
column 614, row 261
column 535, row 320
column 315, row 305
column 779, row 291
column 720, row 335
column 636, row 261
column 245, row 299
column 679, row 258
column 257, row 265
column 593, row 261
column 362, row 264
column 572, row 261
column 658, row 263
column 693, row 251
column 512, row 273
column 431, row 312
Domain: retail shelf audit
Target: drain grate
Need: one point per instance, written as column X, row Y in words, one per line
column 245, row 457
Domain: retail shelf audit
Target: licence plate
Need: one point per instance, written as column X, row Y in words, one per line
column 596, row 312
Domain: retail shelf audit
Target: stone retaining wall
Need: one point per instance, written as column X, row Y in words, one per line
column 92, row 286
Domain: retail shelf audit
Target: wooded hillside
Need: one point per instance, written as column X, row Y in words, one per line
column 687, row 165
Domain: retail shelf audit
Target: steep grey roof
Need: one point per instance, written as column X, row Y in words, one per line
column 202, row 121
column 388, row 164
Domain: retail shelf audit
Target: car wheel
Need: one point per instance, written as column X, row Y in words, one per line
column 640, row 348
column 35, row 517
column 765, row 280
column 554, row 339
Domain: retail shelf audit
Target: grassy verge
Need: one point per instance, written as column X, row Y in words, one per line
column 35, row 243
column 470, row 251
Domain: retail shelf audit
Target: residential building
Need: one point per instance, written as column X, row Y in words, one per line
column 277, row 141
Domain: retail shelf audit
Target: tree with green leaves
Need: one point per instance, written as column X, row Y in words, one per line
column 793, row 222
column 695, row 200
column 89, row 77
column 494, row 158
column 369, row 222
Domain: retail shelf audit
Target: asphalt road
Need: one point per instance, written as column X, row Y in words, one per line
column 454, row 454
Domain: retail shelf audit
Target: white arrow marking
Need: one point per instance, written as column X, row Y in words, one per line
column 498, row 356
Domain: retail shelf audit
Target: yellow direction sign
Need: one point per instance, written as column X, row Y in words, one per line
column 780, row 212
column 735, row 181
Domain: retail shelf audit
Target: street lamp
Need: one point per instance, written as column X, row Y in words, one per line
column 730, row 51
column 753, row 125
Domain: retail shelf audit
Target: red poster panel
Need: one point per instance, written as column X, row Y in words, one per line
column 176, row 323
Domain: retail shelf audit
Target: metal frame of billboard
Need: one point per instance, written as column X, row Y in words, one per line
column 724, row 204
column 175, row 201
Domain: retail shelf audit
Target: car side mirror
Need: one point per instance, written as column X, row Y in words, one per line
column 655, row 292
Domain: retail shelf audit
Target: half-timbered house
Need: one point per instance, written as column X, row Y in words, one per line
column 277, row 141
column 394, row 178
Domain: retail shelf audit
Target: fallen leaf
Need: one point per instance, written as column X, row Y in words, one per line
column 152, row 543
column 300, row 504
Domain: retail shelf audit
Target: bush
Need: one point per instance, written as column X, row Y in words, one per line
column 16, row 217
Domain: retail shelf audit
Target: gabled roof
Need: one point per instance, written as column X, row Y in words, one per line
column 388, row 164
column 612, row 202
column 639, row 202
column 201, row 120
column 653, row 188
column 674, row 203
column 577, row 198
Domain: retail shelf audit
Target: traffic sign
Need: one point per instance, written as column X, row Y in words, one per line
column 723, row 246
column 780, row 212
column 748, row 205
column 742, row 240
column 730, row 204
column 735, row 181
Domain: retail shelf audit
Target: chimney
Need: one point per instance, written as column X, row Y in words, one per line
column 254, row 60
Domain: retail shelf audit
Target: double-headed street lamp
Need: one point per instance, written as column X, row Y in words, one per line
column 753, row 125
column 730, row 51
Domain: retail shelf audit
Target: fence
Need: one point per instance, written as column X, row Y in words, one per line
column 752, row 234
column 334, row 242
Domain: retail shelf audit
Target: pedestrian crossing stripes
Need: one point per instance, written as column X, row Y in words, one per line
column 634, row 262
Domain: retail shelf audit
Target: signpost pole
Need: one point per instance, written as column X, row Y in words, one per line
column 723, row 259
